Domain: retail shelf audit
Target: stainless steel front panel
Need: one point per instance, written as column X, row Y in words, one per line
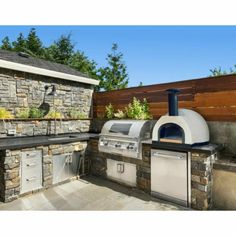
column 31, row 171
column 169, row 175
column 122, row 172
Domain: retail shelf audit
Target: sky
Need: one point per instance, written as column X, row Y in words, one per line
column 153, row 54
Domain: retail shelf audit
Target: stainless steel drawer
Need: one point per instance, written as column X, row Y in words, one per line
column 31, row 154
column 31, row 171
column 31, row 167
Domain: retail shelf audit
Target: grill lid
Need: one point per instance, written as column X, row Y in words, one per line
column 127, row 128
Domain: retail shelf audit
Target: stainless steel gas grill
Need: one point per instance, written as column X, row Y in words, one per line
column 173, row 136
column 123, row 137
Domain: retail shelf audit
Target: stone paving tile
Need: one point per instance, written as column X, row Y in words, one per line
column 91, row 193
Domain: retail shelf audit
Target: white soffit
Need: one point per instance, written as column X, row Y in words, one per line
column 50, row 73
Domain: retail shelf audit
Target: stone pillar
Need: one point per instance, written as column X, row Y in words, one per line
column 144, row 169
column 9, row 175
column 98, row 159
column 201, row 181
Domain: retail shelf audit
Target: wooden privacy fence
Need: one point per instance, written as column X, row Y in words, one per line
column 214, row 97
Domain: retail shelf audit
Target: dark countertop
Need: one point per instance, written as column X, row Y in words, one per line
column 207, row 148
column 26, row 142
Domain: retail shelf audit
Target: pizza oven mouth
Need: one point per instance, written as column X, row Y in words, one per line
column 172, row 133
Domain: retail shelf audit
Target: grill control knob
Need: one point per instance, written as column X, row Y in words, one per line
column 117, row 145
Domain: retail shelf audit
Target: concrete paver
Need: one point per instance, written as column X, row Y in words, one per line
column 92, row 193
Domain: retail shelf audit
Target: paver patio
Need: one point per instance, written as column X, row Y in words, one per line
column 91, row 193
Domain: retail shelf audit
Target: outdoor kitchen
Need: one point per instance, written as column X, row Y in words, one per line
column 173, row 156
column 40, row 151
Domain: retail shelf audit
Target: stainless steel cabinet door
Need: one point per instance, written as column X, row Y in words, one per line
column 169, row 175
column 121, row 172
column 59, row 168
column 64, row 167
column 72, row 165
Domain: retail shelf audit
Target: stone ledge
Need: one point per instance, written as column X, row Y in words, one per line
column 225, row 165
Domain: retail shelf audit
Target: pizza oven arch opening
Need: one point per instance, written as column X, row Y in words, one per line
column 171, row 132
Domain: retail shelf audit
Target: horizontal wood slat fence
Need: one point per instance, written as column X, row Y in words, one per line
column 214, row 97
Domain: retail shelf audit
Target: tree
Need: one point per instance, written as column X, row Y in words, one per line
column 219, row 71
column 20, row 44
column 34, row 44
column 81, row 63
column 6, row 44
column 140, row 84
column 115, row 75
column 61, row 50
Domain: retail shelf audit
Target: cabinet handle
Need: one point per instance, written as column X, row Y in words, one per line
column 31, row 179
column 31, row 164
column 120, row 168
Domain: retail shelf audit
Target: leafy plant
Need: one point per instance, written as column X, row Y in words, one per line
column 120, row 114
column 22, row 113
column 4, row 114
column 75, row 114
column 54, row 115
column 109, row 111
column 138, row 110
column 35, row 112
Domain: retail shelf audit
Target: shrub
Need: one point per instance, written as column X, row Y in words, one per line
column 119, row 114
column 75, row 114
column 4, row 114
column 35, row 112
column 22, row 113
column 109, row 111
column 54, row 115
column 138, row 110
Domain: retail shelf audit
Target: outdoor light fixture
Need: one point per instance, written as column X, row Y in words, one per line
column 53, row 92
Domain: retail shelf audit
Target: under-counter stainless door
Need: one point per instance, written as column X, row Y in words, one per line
column 169, row 176
column 60, row 168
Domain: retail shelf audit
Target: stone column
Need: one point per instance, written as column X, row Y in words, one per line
column 9, row 175
column 201, row 181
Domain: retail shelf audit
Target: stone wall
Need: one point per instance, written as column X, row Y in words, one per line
column 22, row 90
column 43, row 127
column 10, row 163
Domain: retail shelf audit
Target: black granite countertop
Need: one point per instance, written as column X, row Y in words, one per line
column 207, row 148
column 26, row 142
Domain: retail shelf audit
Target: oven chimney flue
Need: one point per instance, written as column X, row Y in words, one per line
column 173, row 101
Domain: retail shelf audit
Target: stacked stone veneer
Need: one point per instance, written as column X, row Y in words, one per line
column 43, row 127
column 22, row 90
column 201, row 180
column 10, row 164
column 201, row 172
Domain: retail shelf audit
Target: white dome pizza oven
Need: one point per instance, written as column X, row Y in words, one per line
column 180, row 126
